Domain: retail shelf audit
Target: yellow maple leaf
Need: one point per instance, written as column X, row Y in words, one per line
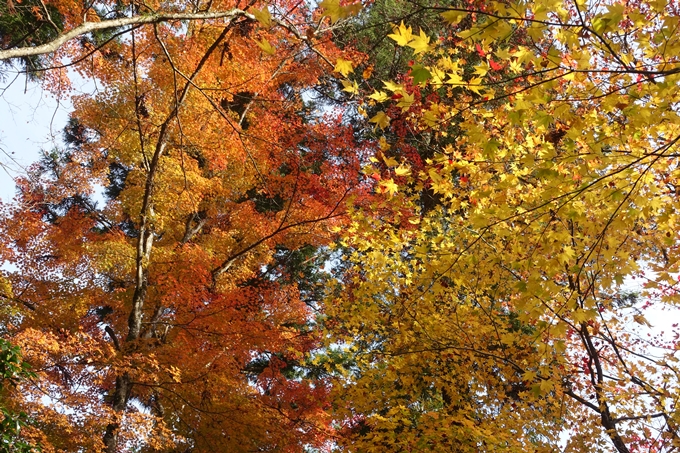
column 393, row 87
column 5, row 288
column 454, row 79
column 420, row 43
column 481, row 69
column 638, row 318
column 454, row 17
column 175, row 374
column 406, row 101
column 335, row 11
column 266, row 46
column 343, row 66
column 332, row 9
column 383, row 143
column 350, row 87
column 431, row 116
column 389, row 186
column 402, row 34
column 401, row 170
column 546, row 385
column 567, row 254
column 263, row 16
column 475, row 85
column 390, row 161
column 503, row 54
column 437, row 77
column 381, row 120
column 379, row 96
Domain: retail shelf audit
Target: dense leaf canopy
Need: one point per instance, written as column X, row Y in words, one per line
column 396, row 226
column 494, row 318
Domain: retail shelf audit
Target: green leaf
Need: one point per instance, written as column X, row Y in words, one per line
column 420, row 74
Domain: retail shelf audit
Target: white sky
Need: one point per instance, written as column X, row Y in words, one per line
column 31, row 120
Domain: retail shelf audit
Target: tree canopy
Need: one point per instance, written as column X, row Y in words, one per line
column 435, row 255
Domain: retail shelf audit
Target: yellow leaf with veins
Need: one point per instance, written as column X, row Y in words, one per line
column 379, row 96
column 402, row 34
column 381, row 120
column 344, row 67
column 350, row 87
column 263, row 16
column 454, row 17
column 335, row 11
column 266, row 46
column 420, row 43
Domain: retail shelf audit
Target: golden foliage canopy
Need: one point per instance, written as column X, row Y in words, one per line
column 529, row 168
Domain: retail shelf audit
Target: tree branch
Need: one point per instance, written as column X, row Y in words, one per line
column 113, row 336
column 88, row 27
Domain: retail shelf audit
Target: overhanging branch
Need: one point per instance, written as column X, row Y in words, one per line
column 88, row 27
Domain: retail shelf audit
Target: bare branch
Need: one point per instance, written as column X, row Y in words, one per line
column 88, row 27
column 113, row 336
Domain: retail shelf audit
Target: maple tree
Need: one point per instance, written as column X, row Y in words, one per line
column 180, row 312
column 493, row 316
column 525, row 167
column 47, row 37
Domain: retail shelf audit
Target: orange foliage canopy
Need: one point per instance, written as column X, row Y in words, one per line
column 172, row 314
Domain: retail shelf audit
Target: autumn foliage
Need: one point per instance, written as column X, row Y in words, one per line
column 249, row 243
column 529, row 157
column 158, row 259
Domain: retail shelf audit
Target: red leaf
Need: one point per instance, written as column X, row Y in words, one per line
column 495, row 66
